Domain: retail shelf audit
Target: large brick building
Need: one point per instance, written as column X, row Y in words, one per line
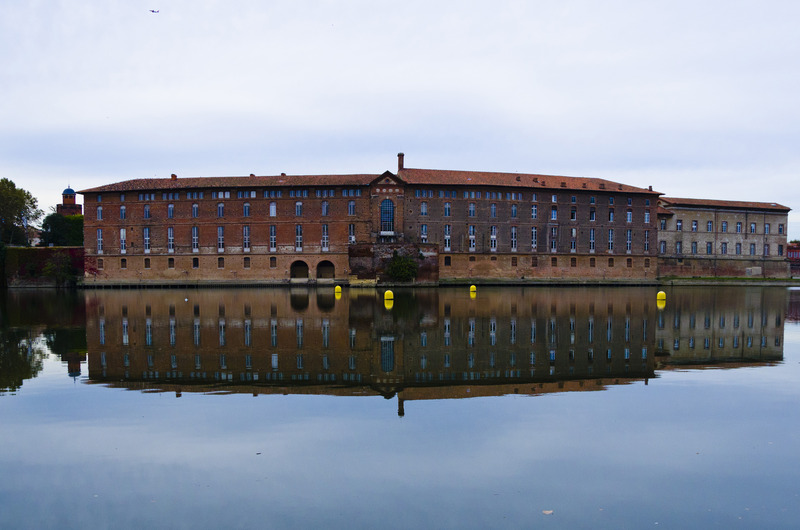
column 504, row 226
column 461, row 225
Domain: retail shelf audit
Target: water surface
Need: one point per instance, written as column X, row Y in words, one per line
column 297, row 408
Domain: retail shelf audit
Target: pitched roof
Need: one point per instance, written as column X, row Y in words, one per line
column 233, row 182
column 730, row 205
column 431, row 177
column 440, row 177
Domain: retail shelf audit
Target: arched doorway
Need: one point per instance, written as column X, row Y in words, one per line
column 325, row 270
column 298, row 270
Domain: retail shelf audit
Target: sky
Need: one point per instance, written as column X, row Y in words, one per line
column 696, row 98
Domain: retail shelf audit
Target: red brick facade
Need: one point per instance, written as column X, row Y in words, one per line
column 468, row 225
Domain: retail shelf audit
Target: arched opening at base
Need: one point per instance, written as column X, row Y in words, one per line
column 325, row 270
column 298, row 270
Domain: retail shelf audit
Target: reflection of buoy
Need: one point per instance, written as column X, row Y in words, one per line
column 337, row 295
column 661, row 304
column 472, row 295
column 388, row 295
column 388, row 303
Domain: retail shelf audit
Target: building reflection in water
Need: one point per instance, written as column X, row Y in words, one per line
column 721, row 327
column 432, row 344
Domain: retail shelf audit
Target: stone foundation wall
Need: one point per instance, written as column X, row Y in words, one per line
column 695, row 267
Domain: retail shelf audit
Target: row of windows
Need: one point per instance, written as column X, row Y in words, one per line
column 721, row 342
column 273, row 210
column 573, row 213
column 724, row 227
column 555, row 262
column 123, row 263
column 498, row 195
column 552, row 334
column 552, row 237
column 246, row 241
column 724, row 249
column 239, row 194
column 707, row 320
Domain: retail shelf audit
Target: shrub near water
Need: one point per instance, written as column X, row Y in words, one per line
column 402, row 268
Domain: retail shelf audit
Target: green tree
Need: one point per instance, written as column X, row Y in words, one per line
column 62, row 230
column 59, row 268
column 18, row 209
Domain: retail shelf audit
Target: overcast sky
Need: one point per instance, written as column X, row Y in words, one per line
column 696, row 98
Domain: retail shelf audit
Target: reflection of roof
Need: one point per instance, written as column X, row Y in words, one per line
column 68, row 191
column 734, row 205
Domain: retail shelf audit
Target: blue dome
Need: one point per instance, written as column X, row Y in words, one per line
column 68, row 191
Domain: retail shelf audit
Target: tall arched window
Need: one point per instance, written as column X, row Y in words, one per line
column 387, row 216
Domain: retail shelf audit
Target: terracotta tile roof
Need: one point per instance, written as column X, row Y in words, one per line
column 439, row 177
column 432, row 177
column 233, row 182
column 733, row 205
column 663, row 211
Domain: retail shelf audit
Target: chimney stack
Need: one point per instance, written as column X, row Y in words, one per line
column 400, row 157
column 173, row 176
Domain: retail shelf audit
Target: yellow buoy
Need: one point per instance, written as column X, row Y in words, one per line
column 661, row 295
column 388, row 295
column 338, row 289
column 472, row 288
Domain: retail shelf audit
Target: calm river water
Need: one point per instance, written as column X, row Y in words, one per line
column 518, row 408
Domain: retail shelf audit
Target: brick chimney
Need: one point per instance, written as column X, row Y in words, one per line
column 400, row 157
column 174, row 176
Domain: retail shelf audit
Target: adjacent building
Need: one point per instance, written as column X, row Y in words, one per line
column 707, row 238
column 68, row 205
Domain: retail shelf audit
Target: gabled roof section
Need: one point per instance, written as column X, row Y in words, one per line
column 159, row 184
column 388, row 179
column 442, row 177
column 669, row 202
